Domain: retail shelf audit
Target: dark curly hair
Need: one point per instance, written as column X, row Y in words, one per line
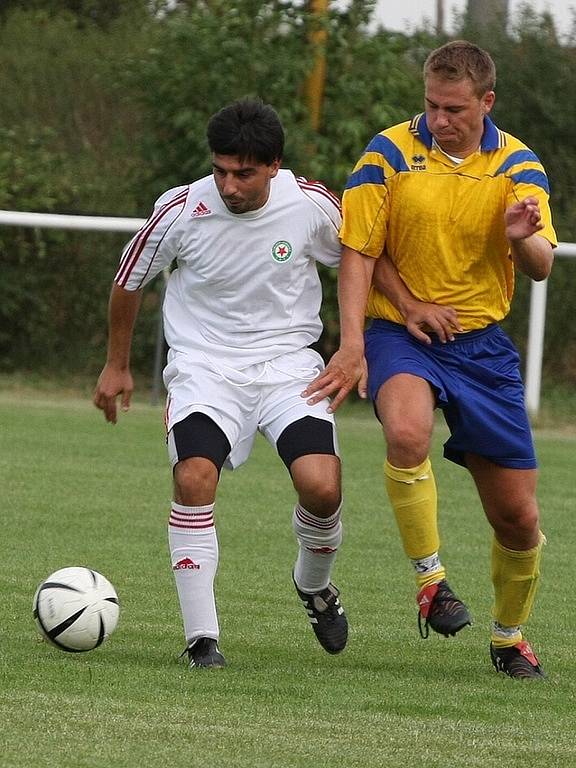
column 249, row 129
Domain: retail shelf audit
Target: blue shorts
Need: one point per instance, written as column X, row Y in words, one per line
column 477, row 383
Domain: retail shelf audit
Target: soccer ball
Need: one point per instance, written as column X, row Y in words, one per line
column 76, row 609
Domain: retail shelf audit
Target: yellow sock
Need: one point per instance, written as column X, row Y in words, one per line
column 515, row 577
column 412, row 494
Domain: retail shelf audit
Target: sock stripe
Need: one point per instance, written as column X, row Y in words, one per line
column 191, row 526
column 324, row 524
column 191, row 520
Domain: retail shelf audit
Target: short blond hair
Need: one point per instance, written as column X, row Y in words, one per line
column 461, row 60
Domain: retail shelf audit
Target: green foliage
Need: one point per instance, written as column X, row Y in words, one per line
column 83, row 12
column 66, row 147
column 372, row 83
column 204, row 56
column 30, row 179
column 67, row 79
column 104, row 106
column 207, row 54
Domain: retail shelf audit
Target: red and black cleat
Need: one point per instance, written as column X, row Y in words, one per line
column 518, row 661
column 440, row 609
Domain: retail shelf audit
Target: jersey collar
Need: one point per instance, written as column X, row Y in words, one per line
column 491, row 138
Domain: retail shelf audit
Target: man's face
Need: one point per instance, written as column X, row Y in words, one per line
column 455, row 114
column 244, row 185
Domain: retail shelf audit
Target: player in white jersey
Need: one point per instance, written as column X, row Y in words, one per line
column 240, row 313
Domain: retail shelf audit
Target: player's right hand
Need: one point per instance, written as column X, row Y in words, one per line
column 423, row 318
column 112, row 383
column 345, row 370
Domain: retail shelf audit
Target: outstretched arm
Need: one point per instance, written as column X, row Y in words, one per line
column 418, row 315
column 532, row 254
column 116, row 378
column 347, row 366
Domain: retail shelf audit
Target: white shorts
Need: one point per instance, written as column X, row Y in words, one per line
column 265, row 397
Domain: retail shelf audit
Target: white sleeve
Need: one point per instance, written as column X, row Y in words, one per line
column 327, row 246
column 151, row 249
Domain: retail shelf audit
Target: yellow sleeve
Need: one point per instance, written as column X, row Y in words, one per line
column 365, row 206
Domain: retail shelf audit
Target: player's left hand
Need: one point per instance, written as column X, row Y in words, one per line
column 344, row 370
column 523, row 219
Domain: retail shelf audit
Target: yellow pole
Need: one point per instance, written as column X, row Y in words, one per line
column 315, row 82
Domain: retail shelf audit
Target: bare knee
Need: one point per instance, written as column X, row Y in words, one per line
column 316, row 479
column 407, row 444
column 517, row 526
column 321, row 501
column 509, row 499
column 195, row 481
column 405, row 406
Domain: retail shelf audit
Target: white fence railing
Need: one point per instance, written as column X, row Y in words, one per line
column 69, row 221
column 536, row 326
column 537, row 321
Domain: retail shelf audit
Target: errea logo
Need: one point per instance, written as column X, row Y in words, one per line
column 418, row 163
column 281, row 251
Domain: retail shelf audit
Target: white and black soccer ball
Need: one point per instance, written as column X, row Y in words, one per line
column 76, row 609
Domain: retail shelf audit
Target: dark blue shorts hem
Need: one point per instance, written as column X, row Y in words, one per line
column 459, row 457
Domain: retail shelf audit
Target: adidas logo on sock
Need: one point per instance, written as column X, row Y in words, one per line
column 186, row 564
column 321, row 550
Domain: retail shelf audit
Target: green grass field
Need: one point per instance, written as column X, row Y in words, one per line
column 77, row 491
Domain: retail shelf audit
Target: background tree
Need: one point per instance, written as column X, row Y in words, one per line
column 84, row 12
column 67, row 146
column 487, row 13
column 101, row 116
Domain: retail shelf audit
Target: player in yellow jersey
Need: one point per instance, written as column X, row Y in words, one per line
column 438, row 214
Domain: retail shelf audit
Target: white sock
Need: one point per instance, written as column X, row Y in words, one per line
column 194, row 556
column 427, row 565
column 319, row 539
column 506, row 633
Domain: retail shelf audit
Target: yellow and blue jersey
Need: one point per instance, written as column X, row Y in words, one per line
column 442, row 222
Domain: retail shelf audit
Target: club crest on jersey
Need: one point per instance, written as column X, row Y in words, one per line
column 281, row 251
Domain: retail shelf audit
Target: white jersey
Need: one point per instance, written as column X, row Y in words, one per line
column 246, row 287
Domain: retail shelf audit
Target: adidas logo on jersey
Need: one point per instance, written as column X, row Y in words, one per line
column 200, row 210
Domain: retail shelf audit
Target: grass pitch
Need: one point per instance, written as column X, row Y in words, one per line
column 76, row 491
